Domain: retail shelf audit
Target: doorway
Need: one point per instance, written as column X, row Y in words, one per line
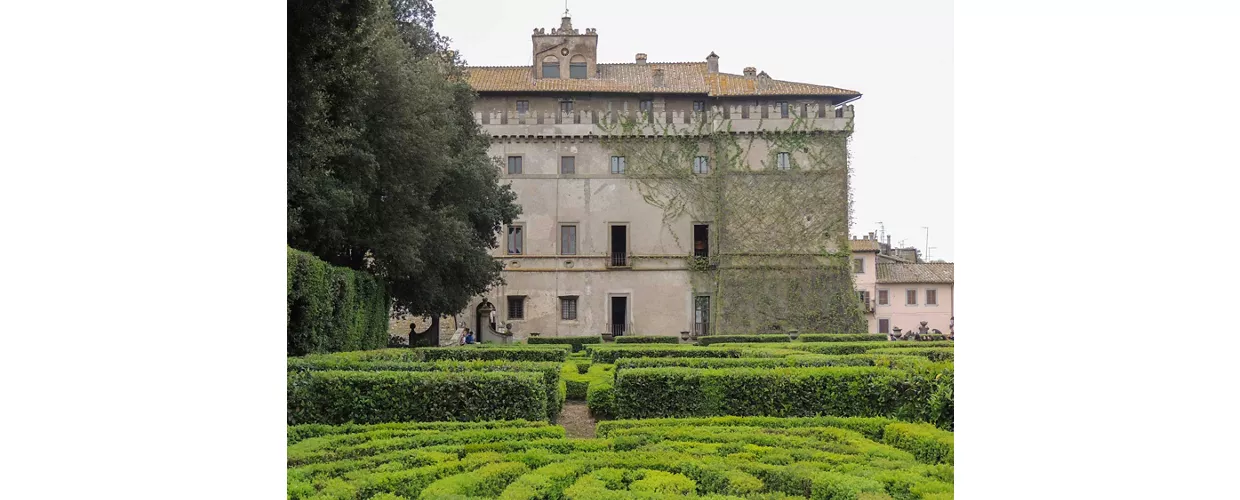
column 483, row 317
column 619, row 316
column 701, row 316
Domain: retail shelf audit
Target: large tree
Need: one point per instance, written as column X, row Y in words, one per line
column 387, row 170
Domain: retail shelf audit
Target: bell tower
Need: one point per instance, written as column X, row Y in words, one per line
column 565, row 52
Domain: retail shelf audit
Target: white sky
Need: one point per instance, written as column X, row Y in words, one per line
column 897, row 53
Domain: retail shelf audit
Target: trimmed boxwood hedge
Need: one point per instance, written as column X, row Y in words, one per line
column 576, row 342
column 332, row 308
column 609, row 354
column 718, row 339
column 647, row 339
column 843, row 337
column 549, row 370
column 337, row 397
column 824, row 458
column 841, row 391
column 926, row 442
column 841, row 347
column 512, row 353
column 934, row 353
column 884, row 360
column 601, row 400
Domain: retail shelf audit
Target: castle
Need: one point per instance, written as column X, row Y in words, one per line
column 660, row 197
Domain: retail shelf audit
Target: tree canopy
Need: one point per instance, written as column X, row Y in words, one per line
column 387, row 170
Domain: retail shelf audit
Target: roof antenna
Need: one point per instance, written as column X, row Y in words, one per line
column 566, row 8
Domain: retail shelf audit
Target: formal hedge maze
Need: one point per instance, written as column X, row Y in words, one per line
column 750, row 417
column 720, row 458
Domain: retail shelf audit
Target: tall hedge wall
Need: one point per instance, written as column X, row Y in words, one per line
column 332, row 309
column 851, row 391
column 364, row 397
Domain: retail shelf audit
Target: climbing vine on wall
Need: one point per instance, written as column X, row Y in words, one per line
column 779, row 237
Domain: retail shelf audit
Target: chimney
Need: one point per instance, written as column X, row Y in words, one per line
column 764, row 75
column 641, row 58
column 712, row 63
column 658, row 77
column 889, row 240
column 750, row 71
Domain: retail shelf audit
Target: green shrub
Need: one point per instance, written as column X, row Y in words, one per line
column 755, row 458
column 342, row 361
column 933, row 353
column 843, row 337
column 601, row 400
column 843, row 347
column 887, row 361
column 841, row 391
column 647, row 339
column 583, row 367
column 333, row 308
column 609, row 354
column 576, row 342
column 336, row 397
column 510, row 353
column 926, row 442
column 576, row 389
column 717, row 339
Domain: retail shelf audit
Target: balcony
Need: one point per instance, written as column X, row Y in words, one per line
column 619, row 259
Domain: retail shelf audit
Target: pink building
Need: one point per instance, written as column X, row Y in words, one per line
column 898, row 292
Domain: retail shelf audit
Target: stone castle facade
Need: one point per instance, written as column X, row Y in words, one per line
column 600, row 247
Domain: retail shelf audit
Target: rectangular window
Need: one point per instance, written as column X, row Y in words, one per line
column 932, row 297
column 858, row 266
column 783, row 110
column 700, row 165
column 882, row 297
column 617, row 164
column 523, row 107
column 566, row 106
column 577, row 70
column 783, row 161
column 516, row 307
column 864, row 297
column 699, row 106
column 701, row 240
column 551, row 70
column 646, row 106
column 568, row 308
column 911, row 297
column 568, row 239
column 839, row 112
column 884, row 326
column 516, row 240
column 568, row 165
column 514, row 165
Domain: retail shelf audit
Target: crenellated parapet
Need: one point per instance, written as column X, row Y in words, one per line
column 741, row 118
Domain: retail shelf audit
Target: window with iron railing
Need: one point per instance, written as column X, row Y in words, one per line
column 568, row 308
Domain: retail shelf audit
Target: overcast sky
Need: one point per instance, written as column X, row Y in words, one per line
column 898, row 53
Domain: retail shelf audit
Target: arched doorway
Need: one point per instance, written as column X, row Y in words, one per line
column 484, row 327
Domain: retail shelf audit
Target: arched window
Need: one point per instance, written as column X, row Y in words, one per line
column 577, row 67
column 551, row 67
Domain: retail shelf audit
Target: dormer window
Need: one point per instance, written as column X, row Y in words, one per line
column 577, row 68
column 551, row 67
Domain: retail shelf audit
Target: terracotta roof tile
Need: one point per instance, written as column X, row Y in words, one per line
column 939, row 272
column 678, row 78
column 725, row 84
column 863, row 245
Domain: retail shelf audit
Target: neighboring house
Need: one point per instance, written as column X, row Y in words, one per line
column 589, row 254
column 897, row 292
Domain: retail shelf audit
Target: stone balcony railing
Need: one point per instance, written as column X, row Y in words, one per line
column 736, row 119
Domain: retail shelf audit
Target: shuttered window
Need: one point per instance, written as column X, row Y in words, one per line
column 568, row 240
